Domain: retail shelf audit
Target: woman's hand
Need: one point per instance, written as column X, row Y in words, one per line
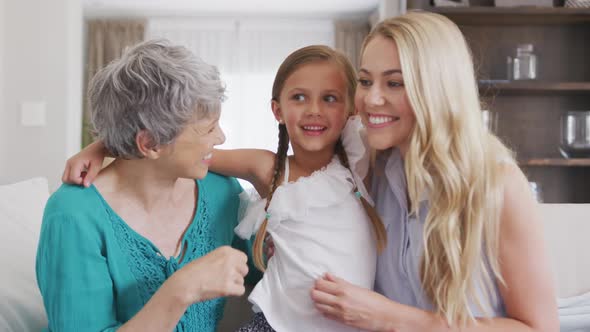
column 83, row 167
column 218, row 274
column 350, row 304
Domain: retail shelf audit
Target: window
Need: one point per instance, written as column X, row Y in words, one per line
column 248, row 53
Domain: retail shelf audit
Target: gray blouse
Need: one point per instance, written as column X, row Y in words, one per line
column 398, row 265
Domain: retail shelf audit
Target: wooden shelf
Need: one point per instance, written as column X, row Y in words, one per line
column 559, row 162
column 561, row 40
column 515, row 15
column 534, row 87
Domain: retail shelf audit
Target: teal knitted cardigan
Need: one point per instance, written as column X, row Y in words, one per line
column 95, row 272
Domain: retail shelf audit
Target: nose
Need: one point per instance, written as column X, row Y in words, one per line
column 374, row 96
column 220, row 138
column 314, row 108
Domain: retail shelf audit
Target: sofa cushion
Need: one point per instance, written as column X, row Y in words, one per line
column 567, row 235
column 567, row 232
column 21, row 212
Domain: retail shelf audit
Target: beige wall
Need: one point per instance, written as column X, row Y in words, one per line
column 2, row 111
column 41, row 61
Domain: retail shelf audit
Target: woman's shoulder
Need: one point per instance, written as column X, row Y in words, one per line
column 220, row 185
column 519, row 210
column 222, row 195
column 74, row 212
column 73, row 200
column 510, row 175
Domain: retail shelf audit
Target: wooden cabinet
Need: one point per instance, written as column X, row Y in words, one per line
column 529, row 111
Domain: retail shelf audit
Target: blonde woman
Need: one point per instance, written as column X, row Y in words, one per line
column 465, row 249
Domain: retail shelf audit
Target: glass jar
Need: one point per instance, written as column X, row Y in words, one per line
column 575, row 134
column 524, row 64
column 537, row 191
column 490, row 120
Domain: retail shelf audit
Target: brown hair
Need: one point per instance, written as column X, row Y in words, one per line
column 305, row 55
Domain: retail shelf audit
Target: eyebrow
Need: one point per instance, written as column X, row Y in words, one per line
column 337, row 92
column 296, row 89
column 385, row 73
column 213, row 121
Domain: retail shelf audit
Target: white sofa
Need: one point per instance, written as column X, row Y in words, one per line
column 567, row 231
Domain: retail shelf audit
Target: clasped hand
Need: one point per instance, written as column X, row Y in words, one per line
column 352, row 305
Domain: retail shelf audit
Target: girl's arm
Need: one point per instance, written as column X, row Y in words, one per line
column 253, row 165
column 529, row 296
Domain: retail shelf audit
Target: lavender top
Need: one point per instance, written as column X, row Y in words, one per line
column 398, row 265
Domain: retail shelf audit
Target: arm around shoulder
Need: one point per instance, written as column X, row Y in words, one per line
column 253, row 165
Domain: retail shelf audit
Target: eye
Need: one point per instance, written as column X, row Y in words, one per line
column 298, row 97
column 364, row 82
column 213, row 128
column 330, row 98
column 394, row 84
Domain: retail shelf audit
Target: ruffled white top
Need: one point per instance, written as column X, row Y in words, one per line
column 318, row 225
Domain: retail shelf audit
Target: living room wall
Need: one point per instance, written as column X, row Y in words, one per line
column 41, row 61
column 2, row 50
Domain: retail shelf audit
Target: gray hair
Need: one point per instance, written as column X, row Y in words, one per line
column 156, row 87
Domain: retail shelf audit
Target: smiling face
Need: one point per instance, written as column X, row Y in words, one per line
column 313, row 106
column 190, row 154
column 381, row 97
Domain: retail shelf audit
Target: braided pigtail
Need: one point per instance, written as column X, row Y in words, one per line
column 376, row 222
column 280, row 158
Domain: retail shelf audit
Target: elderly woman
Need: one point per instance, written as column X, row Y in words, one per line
column 145, row 247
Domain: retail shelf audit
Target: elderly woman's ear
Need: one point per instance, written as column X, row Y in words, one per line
column 146, row 146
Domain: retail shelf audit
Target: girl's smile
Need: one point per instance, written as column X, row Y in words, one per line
column 313, row 129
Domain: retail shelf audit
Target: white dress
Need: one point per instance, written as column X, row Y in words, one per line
column 318, row 225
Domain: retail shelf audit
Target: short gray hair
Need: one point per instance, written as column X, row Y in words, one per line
column 156, row 87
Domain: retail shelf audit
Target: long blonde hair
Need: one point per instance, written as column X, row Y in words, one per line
column 305, row 55
column 453, row 159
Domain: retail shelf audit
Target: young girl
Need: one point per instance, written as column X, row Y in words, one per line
column 312, row 204
column 465, row 247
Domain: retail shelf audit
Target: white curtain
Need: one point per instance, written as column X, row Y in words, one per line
column 248, row 53
column 349, row 37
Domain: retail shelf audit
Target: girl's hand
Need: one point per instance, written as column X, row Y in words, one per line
column 83, row 167
column 352, row 305
column 269, row 246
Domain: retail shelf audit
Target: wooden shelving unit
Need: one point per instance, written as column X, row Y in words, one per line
column 515, row 15
column 535, row 87
column 529, row 112
column 557, row 162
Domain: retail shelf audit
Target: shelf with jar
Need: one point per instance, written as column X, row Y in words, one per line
column 534, row 74
column 506, row 87
column 514, row 15
column 564, row 143
column 556, row 162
